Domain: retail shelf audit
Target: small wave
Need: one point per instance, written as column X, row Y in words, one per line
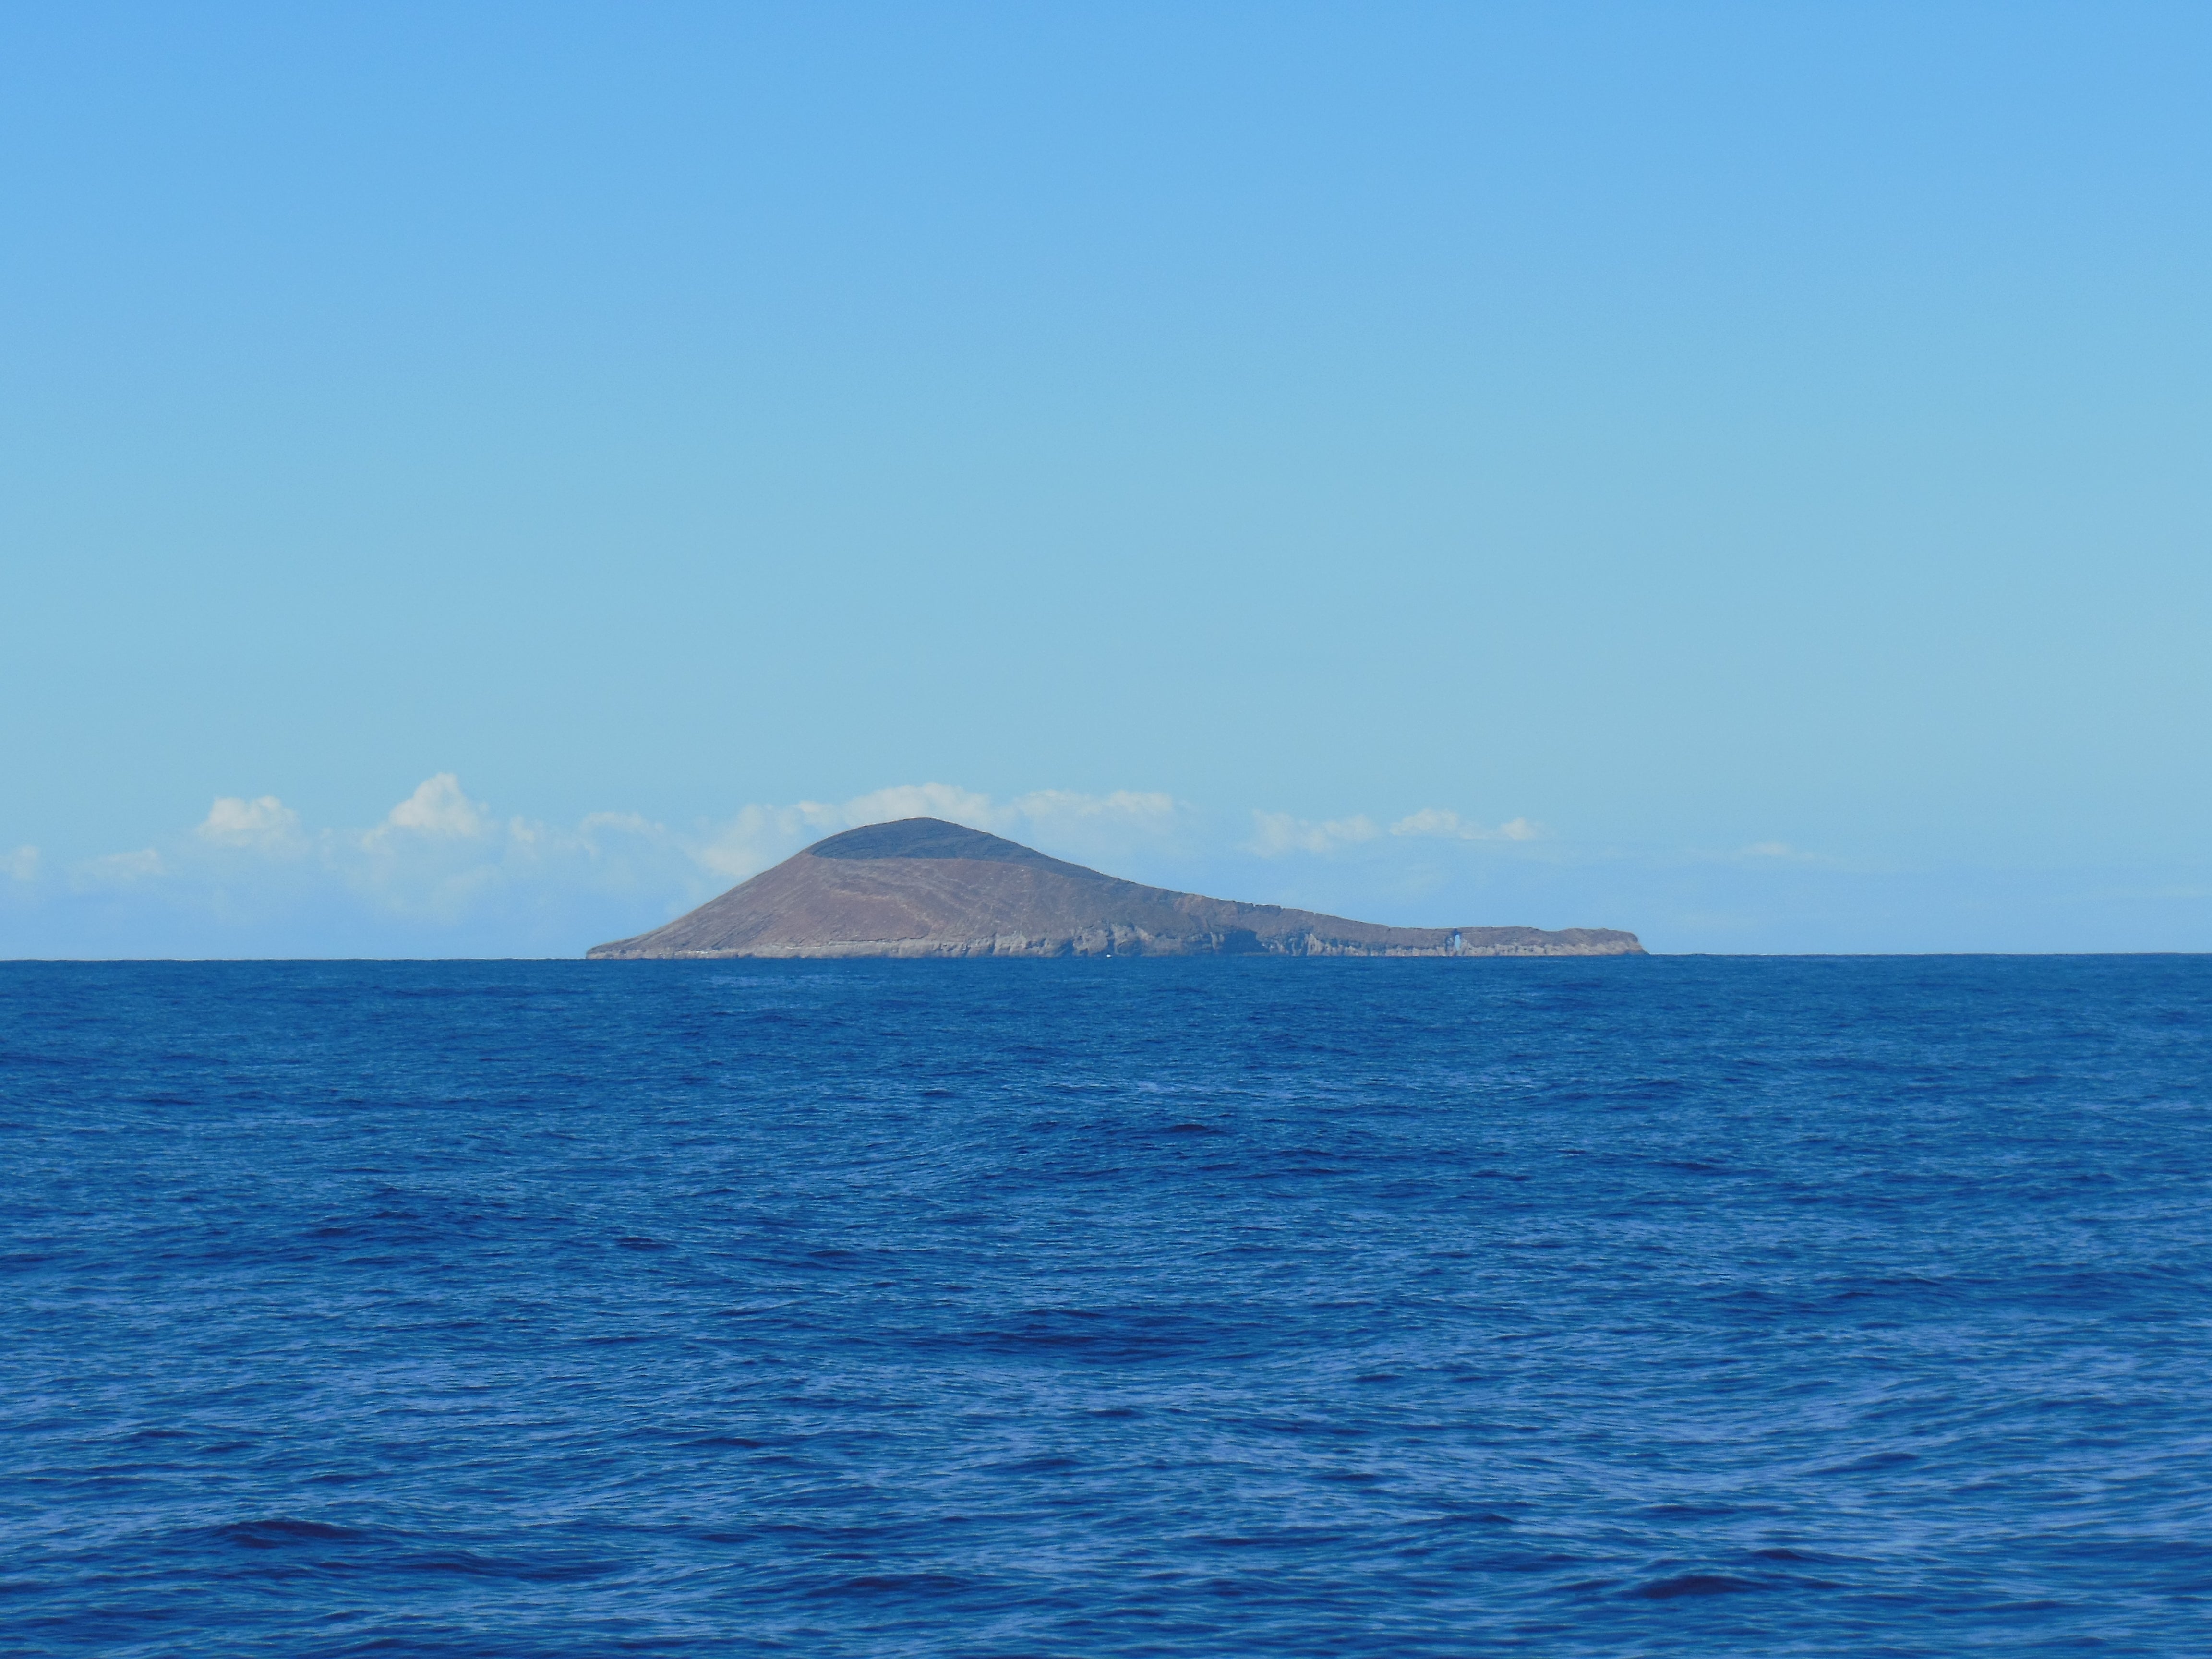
column 896, row 1583
column 279, row 1530
column 1692, row 1584
column 1873, row 1460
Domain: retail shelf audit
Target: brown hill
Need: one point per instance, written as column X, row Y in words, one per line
column 924, row 888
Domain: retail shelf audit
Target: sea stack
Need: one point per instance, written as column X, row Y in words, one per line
column 922, row 887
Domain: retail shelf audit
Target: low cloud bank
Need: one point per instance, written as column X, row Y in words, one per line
column 1449, row 826
column 1275, row 833
column 443, row 874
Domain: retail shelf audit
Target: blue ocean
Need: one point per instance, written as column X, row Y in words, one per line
column 1169, row 1307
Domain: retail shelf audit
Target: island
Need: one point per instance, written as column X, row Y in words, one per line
column 921, row 887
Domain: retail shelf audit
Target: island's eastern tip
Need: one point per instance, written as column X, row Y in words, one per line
column 922, row 887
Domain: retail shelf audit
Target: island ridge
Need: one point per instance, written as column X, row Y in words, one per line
column 921, row 887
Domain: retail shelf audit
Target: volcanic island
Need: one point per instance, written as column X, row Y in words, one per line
column 921, row 887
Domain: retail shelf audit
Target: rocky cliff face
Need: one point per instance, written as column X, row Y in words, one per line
column 924, row 888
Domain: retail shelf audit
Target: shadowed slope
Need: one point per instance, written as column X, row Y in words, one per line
column 921, row 887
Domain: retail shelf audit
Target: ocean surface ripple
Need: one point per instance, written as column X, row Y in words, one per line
column 1651, row 1306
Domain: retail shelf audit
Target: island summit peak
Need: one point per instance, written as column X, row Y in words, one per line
column 928, row 838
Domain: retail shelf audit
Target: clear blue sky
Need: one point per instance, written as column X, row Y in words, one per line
column 1758, row 452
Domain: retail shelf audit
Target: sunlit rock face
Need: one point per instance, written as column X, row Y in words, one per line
column 922, row 887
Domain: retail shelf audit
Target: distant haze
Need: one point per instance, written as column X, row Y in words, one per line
column 486, row 479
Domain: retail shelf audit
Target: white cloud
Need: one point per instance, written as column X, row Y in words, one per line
column 760, row 835
column 1274, row 834
column 596, row 825
column 1437, row 821
column 23, row 864
column 1045, row 806
column 121, row 869
column 441, row 856
column 1277, row 834
column 1129, row 827
column 1777, row 852
column 924, row 800
column 264, row 823
column 438, row 808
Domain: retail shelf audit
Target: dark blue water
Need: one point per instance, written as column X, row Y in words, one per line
column 1850, row 1307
